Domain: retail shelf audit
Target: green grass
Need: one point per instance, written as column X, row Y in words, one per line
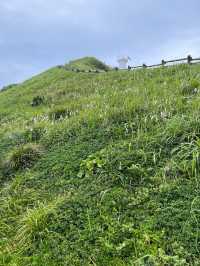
column 87, row 63
column 103, row 169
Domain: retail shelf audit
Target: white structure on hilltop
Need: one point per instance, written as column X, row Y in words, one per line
column 123, row 62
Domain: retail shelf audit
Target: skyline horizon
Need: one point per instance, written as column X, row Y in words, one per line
column 36, row 36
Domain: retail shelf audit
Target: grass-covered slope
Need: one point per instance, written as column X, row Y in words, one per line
column 87, row 63
column 101, row 169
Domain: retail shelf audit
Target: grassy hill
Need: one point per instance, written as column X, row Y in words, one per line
column 87, row 63
column 101, row 169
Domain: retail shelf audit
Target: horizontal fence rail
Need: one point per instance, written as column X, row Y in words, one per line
column 164, row 63
column 187, row 60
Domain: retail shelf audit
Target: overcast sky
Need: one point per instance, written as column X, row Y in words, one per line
column 38, row 34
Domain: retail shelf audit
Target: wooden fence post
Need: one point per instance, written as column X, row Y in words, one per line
column 163, row 62
column 189, row 59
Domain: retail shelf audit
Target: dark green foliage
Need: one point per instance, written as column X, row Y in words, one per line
column 22, row 157
column 60, row 66
column 118, row 183
column 59, row 113
column 8, row 87
column 37, row 100
column 34, row 134
column 191, row 87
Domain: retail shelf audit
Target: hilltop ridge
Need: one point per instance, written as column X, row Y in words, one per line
column 87, row 63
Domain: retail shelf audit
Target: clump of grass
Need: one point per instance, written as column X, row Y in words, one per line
column 37, row 100
column 190, row 88
column 34, row 134
column 59, row 113
column 35, row 221
column 22, row 157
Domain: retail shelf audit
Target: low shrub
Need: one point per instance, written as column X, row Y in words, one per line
column 34, row 134
column 60, row 66
column 22, row 157
column 38, row 100
column 190, row 88
column 59, row 113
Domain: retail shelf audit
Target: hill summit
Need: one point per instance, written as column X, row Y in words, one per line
column 87, row 63
column 101, row 168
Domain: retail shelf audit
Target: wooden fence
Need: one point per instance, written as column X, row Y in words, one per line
column 187, row 60
column 164, row 63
